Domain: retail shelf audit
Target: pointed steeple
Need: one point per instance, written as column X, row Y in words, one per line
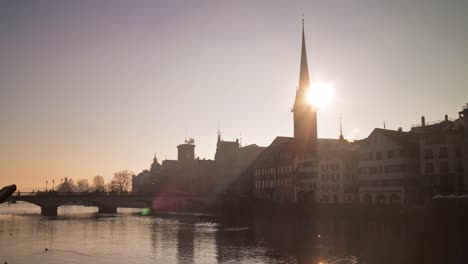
column 219, row 133
column 305, row 115
column 304, row 72
column 341, row 130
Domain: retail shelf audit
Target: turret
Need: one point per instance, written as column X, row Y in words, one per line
column 186, row 152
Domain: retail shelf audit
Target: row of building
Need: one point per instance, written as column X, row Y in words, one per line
column 190, row 181
column 387, row 167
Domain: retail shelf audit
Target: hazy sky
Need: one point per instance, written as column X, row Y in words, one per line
column 93, row 87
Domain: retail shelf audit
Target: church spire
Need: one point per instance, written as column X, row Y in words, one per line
column 219, row 133
column 305, row 115
column 304, row 72
column 341, row 130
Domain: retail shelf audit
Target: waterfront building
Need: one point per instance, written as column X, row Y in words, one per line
column 282, row 174
column 441, row 156
column 388, row 169
column 231, row 160
column 337, row 178
column 190, row 181
column 274, row 171
column 463, row 115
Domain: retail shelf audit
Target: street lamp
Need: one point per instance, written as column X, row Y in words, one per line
column 53, row 184
column 46, row 185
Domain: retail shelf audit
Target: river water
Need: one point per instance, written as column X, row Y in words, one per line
column 79, row 235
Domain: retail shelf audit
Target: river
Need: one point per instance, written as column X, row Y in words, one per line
column 79, row 235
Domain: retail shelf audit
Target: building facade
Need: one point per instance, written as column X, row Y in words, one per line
column 441, row 156
column 388, row 169
column 337, row 179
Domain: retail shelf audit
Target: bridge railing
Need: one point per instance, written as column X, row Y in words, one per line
column 55, row 193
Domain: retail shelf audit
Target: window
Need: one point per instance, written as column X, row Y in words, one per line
column 324, row 198
column 429, row 168
column 443, row 167
column 443, row 152
column 459, row 166
column 394, row 198
column 458, row 153
column 390, row 154
column 367, row 199
column 380, row 198
column 378, row 155
column 335, row 187
column 371, row 155
column 392, row 168
column 402, row 167
column 325, row 188
column 428, row 154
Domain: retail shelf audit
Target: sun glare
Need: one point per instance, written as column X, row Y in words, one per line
column 321, row 93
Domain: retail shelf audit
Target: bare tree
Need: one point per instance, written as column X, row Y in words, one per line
column 121, row 181
column 82, row 185
column 98, row 183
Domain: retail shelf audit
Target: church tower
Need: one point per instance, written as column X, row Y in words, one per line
column 305, row 115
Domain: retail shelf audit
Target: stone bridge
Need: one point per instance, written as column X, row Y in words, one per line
column 106, row 202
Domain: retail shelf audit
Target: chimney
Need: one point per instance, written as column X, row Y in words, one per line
column 423, row 121
column 400, row 129
column 446, row 117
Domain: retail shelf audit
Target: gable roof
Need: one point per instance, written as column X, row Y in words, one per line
column 279, row 152
column 404, row 139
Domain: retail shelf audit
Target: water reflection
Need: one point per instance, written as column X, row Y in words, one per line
column 366, row 241
column 77, row 236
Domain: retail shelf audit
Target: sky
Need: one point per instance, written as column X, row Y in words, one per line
column 94, row 87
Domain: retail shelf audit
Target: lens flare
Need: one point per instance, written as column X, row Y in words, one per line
column 320, row 94
column 145, row 211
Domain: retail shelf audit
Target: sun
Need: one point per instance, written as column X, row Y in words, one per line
column 320, row 94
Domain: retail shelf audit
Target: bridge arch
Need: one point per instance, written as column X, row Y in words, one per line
column 49, row 204
column 106, row 203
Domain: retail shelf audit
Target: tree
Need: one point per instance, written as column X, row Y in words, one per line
column 82, row 185
column 98, row 183
column 121, row 181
